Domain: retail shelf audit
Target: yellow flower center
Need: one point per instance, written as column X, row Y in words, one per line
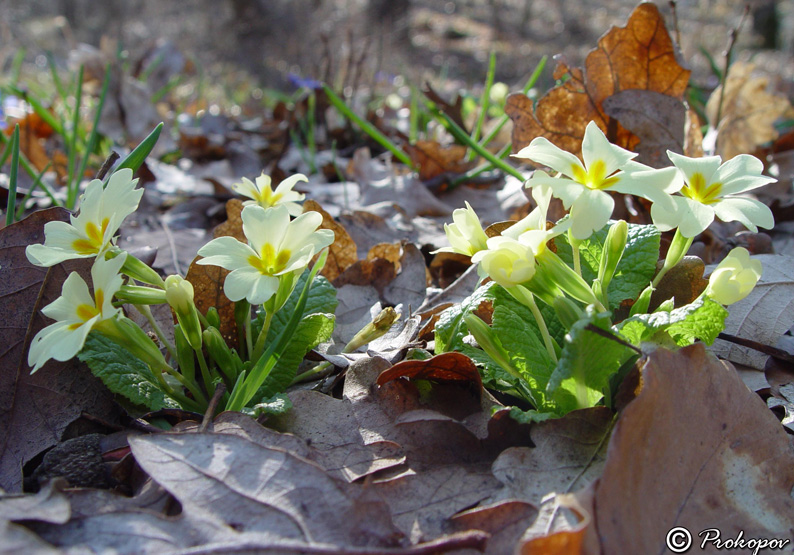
column 595, row 177
column 93, row 238
column 699, row 191
column 267, row 198
column 269, row 261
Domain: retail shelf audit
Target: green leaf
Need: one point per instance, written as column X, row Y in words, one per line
column 277, row 405
column 530, row 416
column 135, row 158
column 703, row 319
column 322, row 299
column 520, row 337
column 311, row 331
column 123, row 373
column 636, row 268
column 585, row 366
column 450, row 328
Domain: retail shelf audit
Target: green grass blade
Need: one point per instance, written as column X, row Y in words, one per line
column 529, row 84
column 367, row 127
column 56, row 78
column 37, row 182
column 38, row 108
column 74, row 188
column 12, row 180
column 485, row 101
column 72, row 148
column 16, row 67
column 135, row 158
column 464, row 138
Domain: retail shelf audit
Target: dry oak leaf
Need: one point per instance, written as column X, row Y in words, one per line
column 36, row 409
column 343, row 251
column 433, row 159
column 696, row 449
column 640, row 55
column 208, row 281
column 748, row 112
column 447, row 367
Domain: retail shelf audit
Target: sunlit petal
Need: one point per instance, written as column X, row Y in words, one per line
column 226, row 252
column 750, row 212
column 543, row 152
column 248, row 283
column 596, row 147
column 590, row 212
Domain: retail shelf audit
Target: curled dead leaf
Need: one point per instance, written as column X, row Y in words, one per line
column 640, row 55
column 446, row 367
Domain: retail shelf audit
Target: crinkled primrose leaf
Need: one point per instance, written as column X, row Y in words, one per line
column 636, row 268
column 703, row 319
column 123, row 373
column 585, row 366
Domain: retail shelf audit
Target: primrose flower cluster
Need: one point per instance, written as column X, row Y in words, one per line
column 533, row 259
column 263, row 271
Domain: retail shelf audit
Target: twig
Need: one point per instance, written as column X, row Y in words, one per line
column 774, row 352
column 734, row 35
column 107, row 164
column 216, row 398
column 674, row 10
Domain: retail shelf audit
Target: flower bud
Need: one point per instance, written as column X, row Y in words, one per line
column 567, row 279
column 213, row 318
column 507, row 261
column 179, row 294
column 136, row 294
column 373, row 330
column 125, row 332
column 734, row 277
column 466, row 234
column 140, row 271
column 487, row 339
column 614, row 246
column 227, row 360
column 184, row 354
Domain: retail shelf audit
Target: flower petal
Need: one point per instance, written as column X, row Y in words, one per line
column 595, row 147
column 263, row 226
column 226, row 252
column 706, row 166
column 249, row 284
column 590, row 212
column 750, row 212
column 544, row 152
column 247, row 188
column 740, row 174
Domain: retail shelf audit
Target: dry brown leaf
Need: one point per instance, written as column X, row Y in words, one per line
column 640, row 55
column 433, row 159
column 749, row 112
column 233, row 226
column 342, row 253
column 446, row 367
column 684, row 282
column 657, row 119
column 36, row 409
column 695, row 449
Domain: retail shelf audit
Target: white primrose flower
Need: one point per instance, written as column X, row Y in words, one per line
column 710, row 190
column 531, row 230
column 466, row 234
column 263, row 194
column 507, row 261
column 734, row 277
column 277, row 247
column 582, row 186
column 76, row 312
column 102, row 210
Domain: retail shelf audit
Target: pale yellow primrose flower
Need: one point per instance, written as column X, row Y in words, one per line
column 466, row 234
column 262, row 193
column 734, row 277
column 531, row 230
column 710, row 190
column 277, row 246
column 90, row 232
column 76, row 312
column 507, row 261
column 582, row 186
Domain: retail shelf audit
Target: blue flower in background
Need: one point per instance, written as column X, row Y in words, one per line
column 303, row 82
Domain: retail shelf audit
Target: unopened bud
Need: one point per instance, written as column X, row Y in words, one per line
column 614, row 246
column 179, row 294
